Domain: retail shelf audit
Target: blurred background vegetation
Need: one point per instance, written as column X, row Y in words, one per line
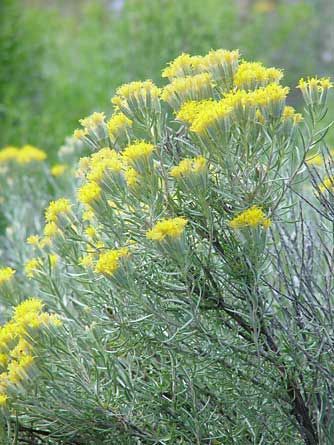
column 62, row 59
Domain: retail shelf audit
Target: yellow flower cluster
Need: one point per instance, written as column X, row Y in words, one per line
column 289, row 113
column 188, row 166
column 108, row 262
column 221, row 63
column 190, row 110
column 57, row 208
column 91, row 122
column 251, row 75
column 167, row 228
column 188, row 88
column 215, row 114
column 138, row 150
column 117, row 126
column 24, row 155
column 58, row 169
column 137, row 99
column 6, row 275
column 88, row 193
column 315, row 90
column 252, row 217
column 16, row 345
column 184, row 65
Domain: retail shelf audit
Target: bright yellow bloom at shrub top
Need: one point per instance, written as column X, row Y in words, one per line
column 6, row 274
column 108, row 262
column 190, row 110
column 117, row 124
column 250, row 75
column 89, row 192
column 136, row 90
column 252, row 217
column 215, row 113
column 56, row 208
column 189, row 166
column 58, row 169
column 188, row 88
column 92, row 121
column 184, row 65
column 220, row 58
column 171, row 228
column 138, row 150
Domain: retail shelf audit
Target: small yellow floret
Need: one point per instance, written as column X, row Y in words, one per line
column 6, row 274
column 56, row 208
column 108, row 262
column 89, row 192
column 58, row 169
column 172, row 228
column 252, row 217
column 140, row 149
column 188, row 166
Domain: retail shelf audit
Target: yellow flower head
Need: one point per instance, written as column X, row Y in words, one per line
column 117, row 126
column 131, row 177
column 56, row 208
column 92, row 121
column 252, row 217
column 251, row 75
column 108, row 262
column 188, row 88
column 89, row 193
column 50, row 230
column 215, row 114
column 184, row 65
column 190, row 110
column 33, row 240
column 189, row 166
column 221, row 64
column 30, row 306
column 31, row 266
column 28, row 154
column 90, row 232
column 80, row 133
column 6, row 275
column 289, row 113
column 58, row 169
column 140, row 149
column 171, row 228
column 8, row 154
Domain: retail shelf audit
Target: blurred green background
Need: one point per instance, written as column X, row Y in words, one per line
column 60, row 60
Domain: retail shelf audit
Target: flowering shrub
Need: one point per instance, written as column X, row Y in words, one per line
column 191, row 269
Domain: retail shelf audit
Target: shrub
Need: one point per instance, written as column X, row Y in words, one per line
column 192, row 271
